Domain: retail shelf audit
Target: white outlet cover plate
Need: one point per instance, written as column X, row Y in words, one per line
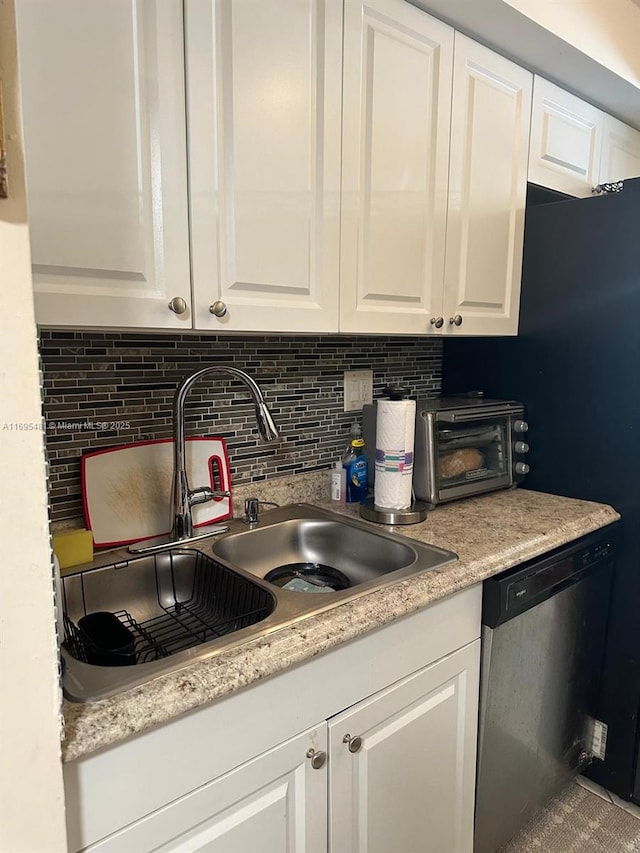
column 358, row 389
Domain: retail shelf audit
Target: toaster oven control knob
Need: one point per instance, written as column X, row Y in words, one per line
column 520, row 426
column 521, row 447
column 521, row 468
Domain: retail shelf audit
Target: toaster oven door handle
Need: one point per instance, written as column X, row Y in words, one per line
column 473, row 415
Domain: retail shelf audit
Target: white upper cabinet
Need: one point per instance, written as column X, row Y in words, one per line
column 312, row 166
column 103, row 109
column 487, row 191
column 263, row 99
column 566, row 141
column 396, row 113
column 620, row 151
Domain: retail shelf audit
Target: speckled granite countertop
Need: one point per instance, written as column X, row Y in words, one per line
column 490, row 533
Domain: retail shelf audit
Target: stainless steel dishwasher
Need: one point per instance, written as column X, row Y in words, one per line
column 543, row 633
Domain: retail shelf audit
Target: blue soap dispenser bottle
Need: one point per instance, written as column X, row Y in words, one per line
column 355, row 463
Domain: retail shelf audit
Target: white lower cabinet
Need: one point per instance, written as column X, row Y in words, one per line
column 368, row 748
column 273, row 804
column 402, row 764
column 395, row 772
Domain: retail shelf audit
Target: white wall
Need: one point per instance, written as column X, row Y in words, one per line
column 31, row 790
column 606, row 30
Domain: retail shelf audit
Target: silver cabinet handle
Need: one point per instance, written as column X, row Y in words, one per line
column 455, row 321
column 178, row 305
column 438, row 322
column 218, row 309
column 355, row 742
column 318, row 758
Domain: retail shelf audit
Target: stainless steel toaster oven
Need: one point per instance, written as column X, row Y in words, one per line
column 467, row 446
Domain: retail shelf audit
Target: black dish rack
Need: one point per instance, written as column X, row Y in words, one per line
column 190, row 599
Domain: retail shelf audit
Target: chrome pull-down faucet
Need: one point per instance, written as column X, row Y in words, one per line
column 183, row 497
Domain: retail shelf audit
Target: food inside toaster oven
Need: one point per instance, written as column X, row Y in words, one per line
column 460, row 462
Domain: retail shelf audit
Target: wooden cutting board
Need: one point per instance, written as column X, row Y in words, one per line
column 127, row 489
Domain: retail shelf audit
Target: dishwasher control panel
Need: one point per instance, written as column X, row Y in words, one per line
column 598, row 552
column 522, row 587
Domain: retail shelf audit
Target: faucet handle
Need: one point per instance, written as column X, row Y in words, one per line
column 204, row 494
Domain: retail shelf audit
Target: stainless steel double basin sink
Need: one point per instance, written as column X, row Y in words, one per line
column 188, row 604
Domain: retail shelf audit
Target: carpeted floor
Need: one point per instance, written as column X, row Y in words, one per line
column 578, row 821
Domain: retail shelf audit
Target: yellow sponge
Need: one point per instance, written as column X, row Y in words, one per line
column 73, row 547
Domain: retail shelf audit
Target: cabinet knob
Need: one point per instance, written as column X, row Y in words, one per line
column 178, row 305
column 355, row 742
column 438, row 322
column 318, row 758
column 455, row 321
column 218, row 309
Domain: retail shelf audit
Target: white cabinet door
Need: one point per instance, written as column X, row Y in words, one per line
column 274, row 803
column 103, row 101
column 410, row 785
column 396, row 110
column 487, row 191
column 566, row 140
column 620, row 151
column 264, row 92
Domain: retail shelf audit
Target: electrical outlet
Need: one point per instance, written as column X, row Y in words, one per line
column 358, row 389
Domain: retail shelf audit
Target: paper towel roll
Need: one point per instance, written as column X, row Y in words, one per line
column 395, row 432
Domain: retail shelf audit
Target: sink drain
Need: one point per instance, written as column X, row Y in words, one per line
column 317, row 577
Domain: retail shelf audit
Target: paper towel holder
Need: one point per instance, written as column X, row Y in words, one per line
column 396, row 392
column 381, row 515
column 413, row 514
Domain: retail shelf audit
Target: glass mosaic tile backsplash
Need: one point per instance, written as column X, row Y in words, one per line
column 102, row 389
